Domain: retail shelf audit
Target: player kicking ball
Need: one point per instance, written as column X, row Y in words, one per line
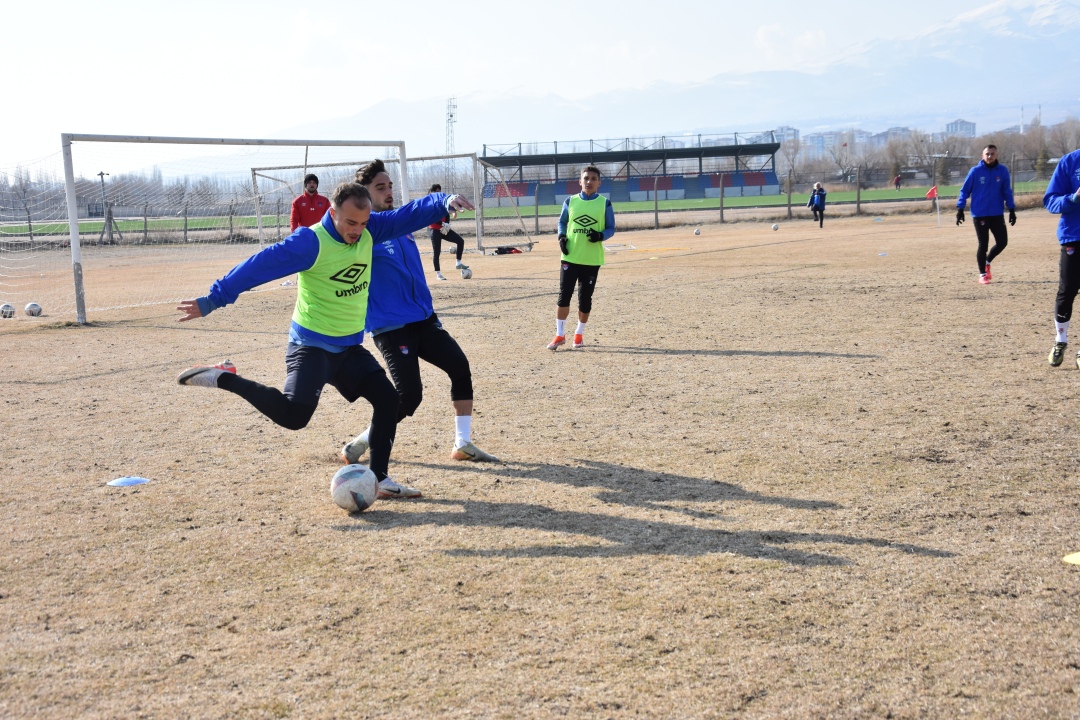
column 332, row 261
column 402, row 321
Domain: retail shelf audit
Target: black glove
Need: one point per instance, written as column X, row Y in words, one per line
column 1012, row 217
column 562, row 245
column 595, row 235
column 959, row 215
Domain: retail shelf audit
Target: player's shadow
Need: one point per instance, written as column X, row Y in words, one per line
column 619, row 536
column 623, row 350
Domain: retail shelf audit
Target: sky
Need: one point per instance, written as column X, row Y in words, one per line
column 251, row 69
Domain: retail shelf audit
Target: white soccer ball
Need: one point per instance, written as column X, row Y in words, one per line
column 7, row 310
column 775, row 226
column 32, row 309
column 354, row 488
column 697, row 231
column 466, row 273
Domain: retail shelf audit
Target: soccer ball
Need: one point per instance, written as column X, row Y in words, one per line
column 697, row 231
column 32, row 309
column 775, row 226
column 354, row 488
column 466, row 273
column 7, row 310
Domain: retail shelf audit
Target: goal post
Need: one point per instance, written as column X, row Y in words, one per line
column 187, row 193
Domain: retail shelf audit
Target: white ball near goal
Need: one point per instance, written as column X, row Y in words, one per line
column 7, row 310
column 466, row 273
column 775, row 226
column 32, row 309
column 697, row 231
column 354, row 488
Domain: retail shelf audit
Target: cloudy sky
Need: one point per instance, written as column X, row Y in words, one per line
column 247, row 69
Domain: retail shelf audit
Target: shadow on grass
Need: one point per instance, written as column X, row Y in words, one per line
column 612, row 535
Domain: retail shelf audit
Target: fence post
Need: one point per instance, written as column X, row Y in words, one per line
column 185, row 221
column 279, row 218
column 790, row 182
column 721, row 197
column 230, row 222
column 858, row 191
column 656, row 203
column 144, row 223
column 536, row 203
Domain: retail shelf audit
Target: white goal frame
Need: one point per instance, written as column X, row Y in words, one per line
column 66, row 139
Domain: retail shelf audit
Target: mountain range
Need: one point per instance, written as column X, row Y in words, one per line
column 983, row 66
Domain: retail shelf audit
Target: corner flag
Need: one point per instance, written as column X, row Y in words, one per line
column 932, row 194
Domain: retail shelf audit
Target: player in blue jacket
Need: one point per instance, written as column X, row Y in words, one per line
column 990, row 189
column 402, row 321
column 332, row 261
column 816, row 203
column 1063, row 198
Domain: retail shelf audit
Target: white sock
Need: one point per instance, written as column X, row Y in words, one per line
column 560, row 328
column 1062, row 331
column 462, row 430
column 580, row 328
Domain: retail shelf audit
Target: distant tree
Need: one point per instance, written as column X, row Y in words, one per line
column 1042, row 165
column 1064, row 137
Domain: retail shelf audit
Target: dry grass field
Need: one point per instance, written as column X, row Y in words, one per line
column 798, row 474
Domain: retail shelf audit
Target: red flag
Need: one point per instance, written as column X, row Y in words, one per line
column 932, row 194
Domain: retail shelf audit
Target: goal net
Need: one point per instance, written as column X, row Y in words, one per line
column 491, row 226
column 114, row 222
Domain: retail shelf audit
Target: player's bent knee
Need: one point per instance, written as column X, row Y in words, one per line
column 297, row 418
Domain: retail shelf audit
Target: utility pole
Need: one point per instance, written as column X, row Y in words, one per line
column 107, row 213
column 451, row 118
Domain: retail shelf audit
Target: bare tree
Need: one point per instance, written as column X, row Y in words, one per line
column 1064, row 137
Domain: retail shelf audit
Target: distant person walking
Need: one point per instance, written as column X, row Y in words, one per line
column 441, row 231
column 816, row 203
column 896, row 183
column 309, row 207
column 1063, row 198
column 587, row 220
column 990, row 188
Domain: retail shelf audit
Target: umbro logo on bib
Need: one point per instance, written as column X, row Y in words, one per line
column 350, row 275
column 586, row 221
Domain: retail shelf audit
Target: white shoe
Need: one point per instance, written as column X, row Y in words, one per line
column 440, row 276
column 460, row 266
column 205, row 375
column 390, row 489
column 355, row 449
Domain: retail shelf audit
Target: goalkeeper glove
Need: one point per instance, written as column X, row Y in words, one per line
column 562, row 245
column 595, row 235
column 1012, row 217
column 959, row 215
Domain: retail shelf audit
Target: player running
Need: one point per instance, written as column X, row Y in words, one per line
column 1063, row 197
column 332, row 260
column 587, row 220
column 402, row 322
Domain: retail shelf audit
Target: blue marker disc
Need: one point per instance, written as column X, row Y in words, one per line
column 126, row 481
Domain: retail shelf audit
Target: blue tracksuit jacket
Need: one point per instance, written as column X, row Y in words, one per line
column 989, row 188
column 1060, row 197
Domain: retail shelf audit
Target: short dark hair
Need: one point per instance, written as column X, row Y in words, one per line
column 592, row 169
column 311, row 176
column 991, row 145
column 367, row 173
column 350, row 191
column 435, row 188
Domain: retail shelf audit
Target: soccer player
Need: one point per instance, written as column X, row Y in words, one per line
column 332, row 260
column 816, row 203
column 442, row 231
column 990, row 188
column 309, row 207
column 587, row 220
column 402, row 321
column 1063, row 198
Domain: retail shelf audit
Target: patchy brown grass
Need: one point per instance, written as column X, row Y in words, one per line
column 805, row 473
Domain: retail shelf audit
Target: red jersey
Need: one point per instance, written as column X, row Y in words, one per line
column 308, row 210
